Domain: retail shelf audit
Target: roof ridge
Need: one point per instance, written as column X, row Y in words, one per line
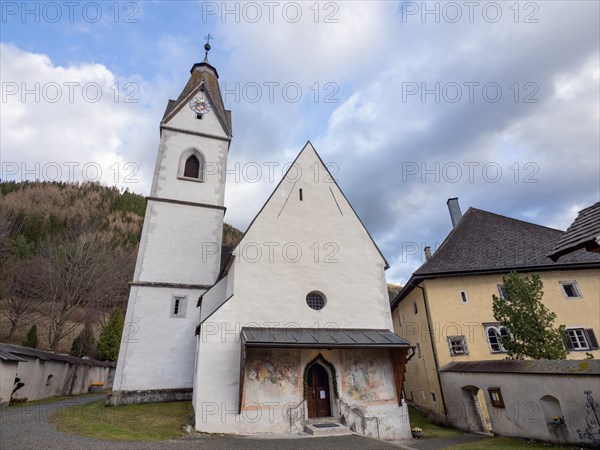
column 516, row 220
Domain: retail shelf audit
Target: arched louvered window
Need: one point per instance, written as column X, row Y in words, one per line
column 192, row 167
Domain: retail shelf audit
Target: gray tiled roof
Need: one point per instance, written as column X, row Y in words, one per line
column 321, row 338
column 484, row 241
column 19, row 352
column 584, row 232
column 7, row 356
column 570, row 367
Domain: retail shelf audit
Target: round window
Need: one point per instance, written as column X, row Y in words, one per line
column 315, row 300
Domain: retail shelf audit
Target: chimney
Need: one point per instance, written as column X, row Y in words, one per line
column 454, row 208
column 427, row 252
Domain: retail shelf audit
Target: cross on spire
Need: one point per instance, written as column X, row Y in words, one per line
column 208, row 37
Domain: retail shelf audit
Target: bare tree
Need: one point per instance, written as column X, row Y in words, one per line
column 14, row 274
column 16, row 301
column 74, row 276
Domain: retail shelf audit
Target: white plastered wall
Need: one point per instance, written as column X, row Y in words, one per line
column 337, row 258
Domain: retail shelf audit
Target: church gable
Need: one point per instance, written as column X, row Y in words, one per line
column 179, row 113
column 307, row 258
column 308, row 202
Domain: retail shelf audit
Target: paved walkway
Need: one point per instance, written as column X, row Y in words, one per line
column 27, row 427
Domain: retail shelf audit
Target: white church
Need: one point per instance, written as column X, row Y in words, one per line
column 288, row 332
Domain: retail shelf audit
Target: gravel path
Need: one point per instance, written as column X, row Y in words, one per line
column 27, row 427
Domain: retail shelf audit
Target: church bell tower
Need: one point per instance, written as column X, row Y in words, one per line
column 180, row 250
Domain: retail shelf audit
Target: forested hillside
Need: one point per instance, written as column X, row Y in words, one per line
column 67, row 254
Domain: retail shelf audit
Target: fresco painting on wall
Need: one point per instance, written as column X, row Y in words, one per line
column 271, row 375
column 368, row 376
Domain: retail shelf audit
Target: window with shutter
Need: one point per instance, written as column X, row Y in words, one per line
column 591, row 338
column 579, row 339
column 567, row 341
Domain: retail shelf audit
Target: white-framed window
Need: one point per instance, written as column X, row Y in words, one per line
column 423, row 393
column 493, row 334
column 178, row 306
column 570, row 289
column 579, row 339
column 415, row 308
column 463, row 297
column 502, row 291
column 457, row 345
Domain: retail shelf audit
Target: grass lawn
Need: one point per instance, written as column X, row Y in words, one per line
column 149, row 422
column 500, row 443
column 430, row 430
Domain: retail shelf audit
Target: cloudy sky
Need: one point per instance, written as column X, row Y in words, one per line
column 410, row 103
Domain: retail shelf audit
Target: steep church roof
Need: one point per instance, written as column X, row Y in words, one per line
column 337, row 198
column 204, row 77
column 483, row 242
column 309, row 146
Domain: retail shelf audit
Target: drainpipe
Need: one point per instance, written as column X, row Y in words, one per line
column 435, row 357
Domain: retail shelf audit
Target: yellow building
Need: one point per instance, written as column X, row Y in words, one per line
column 445, row 309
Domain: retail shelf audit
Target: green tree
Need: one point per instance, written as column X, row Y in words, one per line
column 32, row 337
column 85, row 343
column 529, row 322
column 110, row 337
column 20, row 248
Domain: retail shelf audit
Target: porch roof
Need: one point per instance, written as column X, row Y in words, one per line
column 321, row 338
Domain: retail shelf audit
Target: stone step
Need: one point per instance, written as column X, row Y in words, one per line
column 327, row 429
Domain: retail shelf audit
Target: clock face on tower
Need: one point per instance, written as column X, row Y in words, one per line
column 200, row 104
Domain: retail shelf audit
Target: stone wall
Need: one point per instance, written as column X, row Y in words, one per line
column 529, row 403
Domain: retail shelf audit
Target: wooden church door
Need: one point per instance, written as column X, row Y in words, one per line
column 317, row 393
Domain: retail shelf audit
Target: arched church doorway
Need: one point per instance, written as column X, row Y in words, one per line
column 317, row 392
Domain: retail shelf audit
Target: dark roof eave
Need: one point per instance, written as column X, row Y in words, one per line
column 321, row 345
column 589, row 245
column 205, row 64
column 416, row 279
column 544, row 268
column 347, row 338
column 525, row 367
column 407, row 289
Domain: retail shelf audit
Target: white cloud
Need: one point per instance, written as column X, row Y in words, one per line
column 370, row 54
column 71, row 123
